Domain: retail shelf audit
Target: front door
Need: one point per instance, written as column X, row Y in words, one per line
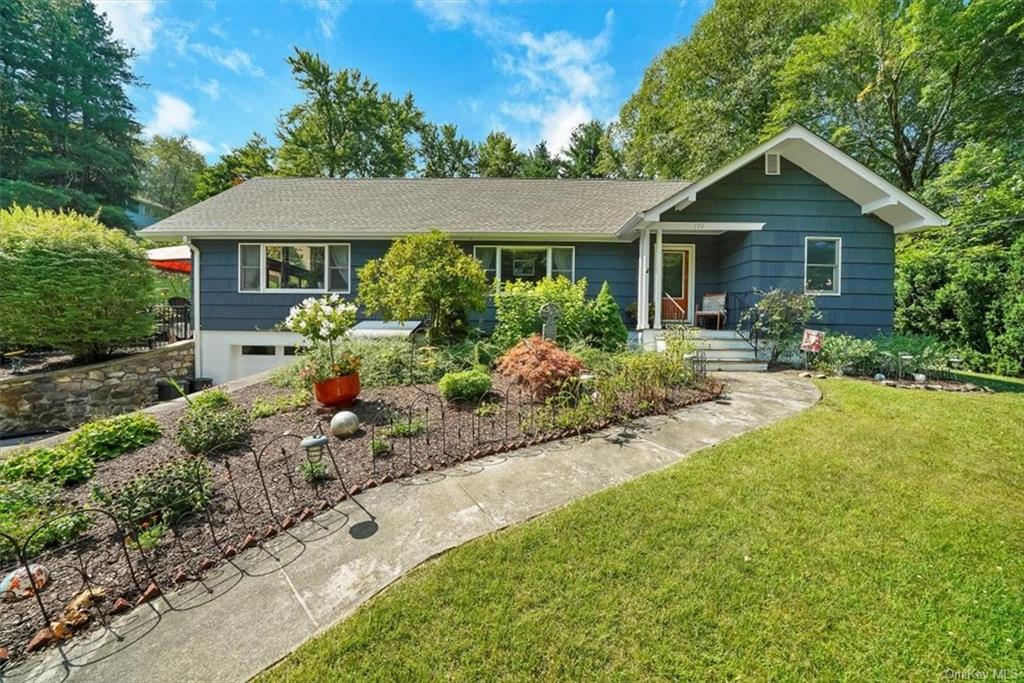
column 675, row 299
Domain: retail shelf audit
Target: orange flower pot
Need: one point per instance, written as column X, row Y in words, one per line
column 337, row 392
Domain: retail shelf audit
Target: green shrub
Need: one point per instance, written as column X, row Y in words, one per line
column 210, row 399
column 313, row 472
column 604, row 327
column 60, row 465
column 517, row 306
column 171, row 491
column 109, row 438
column 380, row 447
column 390, row 362
column 425, row 276
column 265, row 407
column 209, row 422
column 71, row 284
column 845, row 353
column 406, row 429
column 468, row 385
column 487, row 409
column 149, row 538
column 596, row 360
column 927, row 352
column 778, row 319
column 24, row 506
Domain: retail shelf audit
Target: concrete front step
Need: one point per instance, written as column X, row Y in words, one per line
column 739, row 345
column 718, row 353
column 701, row 333
column 737, row 366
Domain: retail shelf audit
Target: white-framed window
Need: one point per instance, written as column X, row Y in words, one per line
column 530, row 263
column 823, row 259
column 294, row 268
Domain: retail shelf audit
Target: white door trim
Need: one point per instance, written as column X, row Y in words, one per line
column 691, row 275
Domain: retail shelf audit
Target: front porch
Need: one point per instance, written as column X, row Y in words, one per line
column 681, row 263
column 685, row 265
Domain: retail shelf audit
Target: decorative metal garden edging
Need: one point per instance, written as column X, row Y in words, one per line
column 240, row 497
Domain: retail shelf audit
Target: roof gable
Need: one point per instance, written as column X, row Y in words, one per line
column 873, row 193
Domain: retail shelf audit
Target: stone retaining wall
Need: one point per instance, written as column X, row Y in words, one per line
column 62, row 399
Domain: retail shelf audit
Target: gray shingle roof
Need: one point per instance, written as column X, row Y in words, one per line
column 386, row 207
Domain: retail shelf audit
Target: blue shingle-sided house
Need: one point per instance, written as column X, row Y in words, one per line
column 794, row 213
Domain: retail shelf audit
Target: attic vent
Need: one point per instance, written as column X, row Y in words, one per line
column 771, row 164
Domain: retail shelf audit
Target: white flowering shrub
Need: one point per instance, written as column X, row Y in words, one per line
column 323, row 319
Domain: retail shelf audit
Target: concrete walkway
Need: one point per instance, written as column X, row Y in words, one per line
column 303, row 582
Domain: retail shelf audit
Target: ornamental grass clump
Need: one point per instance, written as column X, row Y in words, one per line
column 539, row 366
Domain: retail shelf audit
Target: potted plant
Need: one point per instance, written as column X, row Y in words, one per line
column 332, row 371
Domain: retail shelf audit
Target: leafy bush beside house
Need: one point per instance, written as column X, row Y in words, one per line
column 71, row 284
column 517, row 308
column 778, row 320
column 425, row 276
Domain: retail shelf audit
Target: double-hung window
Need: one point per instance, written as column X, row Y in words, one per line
column 823, row 265
column 530, row 264
column 294, row 268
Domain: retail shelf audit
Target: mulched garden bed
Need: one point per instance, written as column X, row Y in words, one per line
column 260, row 492
column 930, row 385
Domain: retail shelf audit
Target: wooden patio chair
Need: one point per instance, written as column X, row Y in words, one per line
column 712, row 307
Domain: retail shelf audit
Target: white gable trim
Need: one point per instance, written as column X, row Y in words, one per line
column 832, row 166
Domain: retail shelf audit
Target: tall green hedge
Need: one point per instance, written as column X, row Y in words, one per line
column 71, row 284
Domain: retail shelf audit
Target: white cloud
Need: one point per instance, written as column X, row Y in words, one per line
column 235, row 59
column 560, row 79
column 134, row 22
column 217, row 30
column 171, row 116
column 327, row 12
column 210, row 88
column 202, row 146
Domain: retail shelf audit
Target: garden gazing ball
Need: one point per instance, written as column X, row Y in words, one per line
column 344, row 423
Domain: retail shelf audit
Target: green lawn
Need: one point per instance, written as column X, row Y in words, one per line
column 877, row 535
column 996, row 382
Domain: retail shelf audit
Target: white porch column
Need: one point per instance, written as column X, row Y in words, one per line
column 658, row 284
column 644, row 275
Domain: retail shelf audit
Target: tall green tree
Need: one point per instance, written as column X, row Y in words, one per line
column 170, row 167
column 963, row 283
column 253, row 159
column 446, row 154
column 345, row 126
column 67, row 128
column 499, row 157
column 706, row 99
column 900, row 84
column 580, row 157
column 539, row 163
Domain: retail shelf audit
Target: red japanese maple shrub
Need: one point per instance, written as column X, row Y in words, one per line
column 539, row 365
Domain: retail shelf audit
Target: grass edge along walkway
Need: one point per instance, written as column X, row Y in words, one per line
column 878, row 534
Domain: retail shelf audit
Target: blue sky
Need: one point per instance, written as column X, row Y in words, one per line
column 215, row 69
